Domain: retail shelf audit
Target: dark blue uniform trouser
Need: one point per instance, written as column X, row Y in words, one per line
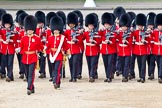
column 132, row 65
column 80, row 64
column 92, row 61
column 118, row 64
column 7, row 61
column 49, row 66
column 125, row 64
column 73, row 65
column 30, row 75
column 42, row 64
column 21, row 66
column 96, row 73
column 114, row 63
column 151, row 64
column 141, row 61
column 108, row 64
column 159, row 65
column 56, row 72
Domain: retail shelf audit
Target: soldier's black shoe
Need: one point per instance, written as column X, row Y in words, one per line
column 42, row 76
column 33, row 91
column 50, row 80
column 131, row 77
column 91, row 79
column 109, row 80
column 25, row 79
column 124, row 79
column 55, row 86
column 79, row 77
column 139, row 80
column 21, row 76
column 9, row 79
column 3, row 76
column 117, row 73
column 96, row 77
column 105, row 80
column 160, row 80
column 142, row 80
column 29, row 92
column 72, row 80
column 151, row 77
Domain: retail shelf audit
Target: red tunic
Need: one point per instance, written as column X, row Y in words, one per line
column 30, row 44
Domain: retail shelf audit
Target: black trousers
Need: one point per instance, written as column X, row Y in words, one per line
column 42, row 64
column 21, row 66
column 56, row 72
column 7, row 61
column 125, row 64
column 49, row 66
column 132, row 65
column 141, row 61
column 92, row 61
column 30, row 75
column 159, row 65
column 151, row 64
column 108, row 64
column 73, row 65
column 80, row 64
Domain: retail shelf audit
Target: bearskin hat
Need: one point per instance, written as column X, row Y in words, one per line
column 140, row 19
column 2, row 11
column 91, row 19
column 40, row 16
column 56, row 23
column 150, row 18
column 107, row 18
column 62, row 15
column 132, row 15
column 18, row 13
column 118, row 11
column 80, row 16
column 21, row 18
column 7, row 18
column 125, row 20
column 113, row 17
column 158, row 20
column 30, row 23
column 72, row 18
column 49, row 16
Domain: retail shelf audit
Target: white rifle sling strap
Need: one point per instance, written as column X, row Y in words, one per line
column 53, row 58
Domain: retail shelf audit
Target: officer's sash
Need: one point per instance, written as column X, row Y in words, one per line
column 53, row 58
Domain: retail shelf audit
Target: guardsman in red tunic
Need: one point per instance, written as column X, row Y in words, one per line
column 141, row 45
column 63, row 16
column 57, row 45
column 157, row 47
column 118, row 11
column 21, row 33
column 150, row 57
column 2, row 11
column 74, row 39
column 41, row 32
column 133, row 57
column 8, row 46
column 93, row 40
column 81, row 29
column 124, row 45
column 48, row 34
column 108, row 46
column 29, row 47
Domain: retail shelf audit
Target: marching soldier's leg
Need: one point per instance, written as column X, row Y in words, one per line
column 71, row 67
column 96, row 73
column 139, row 67
column 42, row 66
column 21, row 72
column 118, row 67
column 49, row 68
column 93, row 68
column 132, row 67
column 151, row 68
column 105, row 61
column 160, row 69
column 10, row 76
column 75, row 64
column 79, row 76
column 31, row 77
column 126, row 68
column 3, row 65
column 143, row 67
column 57, row 65
column 88, row 58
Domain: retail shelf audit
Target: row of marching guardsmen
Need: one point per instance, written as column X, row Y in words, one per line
column 124, row 37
